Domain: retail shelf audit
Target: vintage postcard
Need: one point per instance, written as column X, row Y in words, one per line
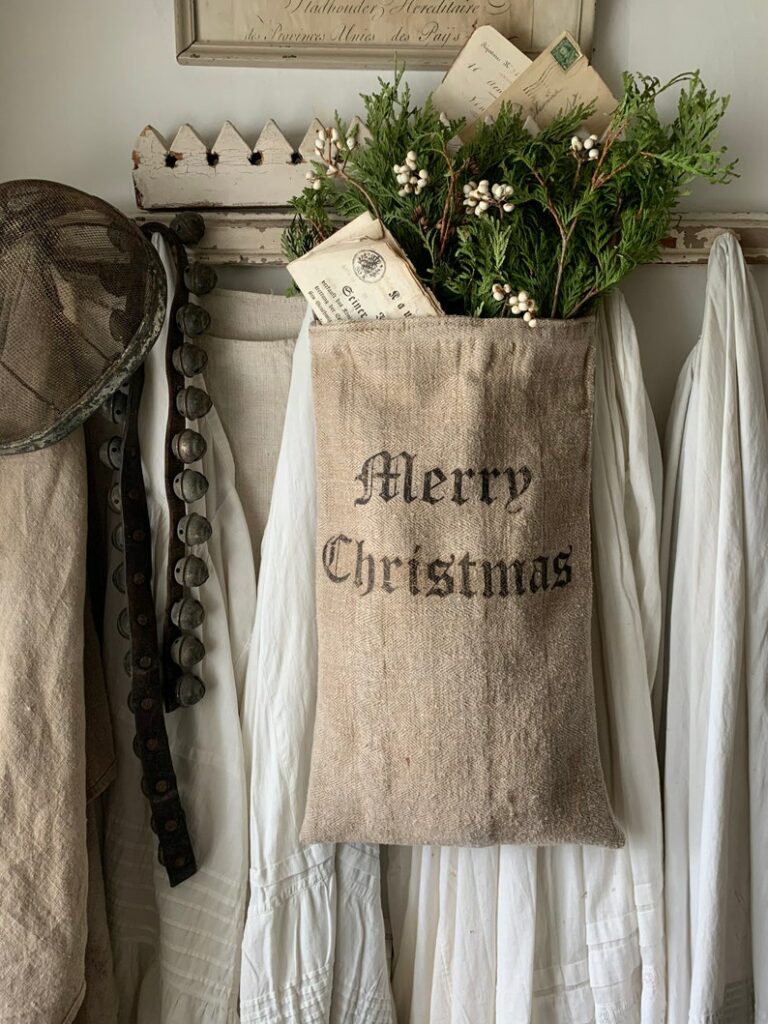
column 559, row 78
column 485, row 68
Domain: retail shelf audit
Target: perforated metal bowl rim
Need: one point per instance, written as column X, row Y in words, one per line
column 121, row 369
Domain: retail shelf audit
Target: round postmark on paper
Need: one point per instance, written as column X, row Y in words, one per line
column 369, row 265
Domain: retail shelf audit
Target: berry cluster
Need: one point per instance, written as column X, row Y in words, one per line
column 479, row 198
column 518, row 303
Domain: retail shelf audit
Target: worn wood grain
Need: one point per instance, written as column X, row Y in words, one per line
column 252, row 237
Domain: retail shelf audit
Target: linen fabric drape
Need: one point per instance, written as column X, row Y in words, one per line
column 43, row 856
column 712, row 695
column 313, row 948
column 177, row 951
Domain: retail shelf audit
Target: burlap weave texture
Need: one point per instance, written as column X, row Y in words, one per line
column 454, row 588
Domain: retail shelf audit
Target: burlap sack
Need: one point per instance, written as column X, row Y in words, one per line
column 454, row 592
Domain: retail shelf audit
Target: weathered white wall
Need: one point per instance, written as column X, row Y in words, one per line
column 79, row 79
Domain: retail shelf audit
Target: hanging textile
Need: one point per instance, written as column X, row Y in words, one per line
column 314, row 946
column 250, row 353
column 43, row 858
column 177, row 951
column 509, row 934
column 714, row 690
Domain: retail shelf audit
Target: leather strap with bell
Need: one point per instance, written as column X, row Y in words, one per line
column 146, row 699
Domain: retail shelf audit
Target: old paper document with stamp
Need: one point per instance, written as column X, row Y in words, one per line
column 559, row 78
column 361, row 273
column 487, row 65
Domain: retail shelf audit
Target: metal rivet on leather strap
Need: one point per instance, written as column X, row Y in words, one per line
column 187, row 613
column 189, row 485
column 191, row 571
column 193, row 529
column 193, row 403
column 187, row 650
column 189, row 359
column 188, row 446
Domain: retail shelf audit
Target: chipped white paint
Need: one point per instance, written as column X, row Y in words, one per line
column 187, row 174
column 261, row 180
column 252, row 238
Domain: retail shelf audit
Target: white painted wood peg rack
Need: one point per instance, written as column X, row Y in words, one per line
column 244, row 192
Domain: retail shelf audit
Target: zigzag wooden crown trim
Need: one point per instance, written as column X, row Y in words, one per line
column 186, row 174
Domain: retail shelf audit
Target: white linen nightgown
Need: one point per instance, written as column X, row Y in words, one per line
column 715, row 683
column 313, row 949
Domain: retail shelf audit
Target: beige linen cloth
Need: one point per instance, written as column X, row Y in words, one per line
column 455, row 696
column 46, row 777
column 250, row 347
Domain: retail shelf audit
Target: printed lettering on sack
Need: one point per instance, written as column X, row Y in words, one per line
column 392, row 478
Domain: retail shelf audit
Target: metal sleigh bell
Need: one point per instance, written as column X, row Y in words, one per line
column 189, row 359
column 189, row 485
column 111, row 452
column 187, row 614
column 200, row 278
column 189, row 690
column 187, row 650
column 190, row 571
column 193, row 403
column 193, row 529
column 193, row 320
column 188, row 446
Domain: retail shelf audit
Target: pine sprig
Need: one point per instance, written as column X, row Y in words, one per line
column 581, row 214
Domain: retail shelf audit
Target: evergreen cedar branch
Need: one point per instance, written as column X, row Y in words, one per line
column 577, row 227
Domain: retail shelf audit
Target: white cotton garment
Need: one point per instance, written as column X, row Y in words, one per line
column 512, row 934
column 177, row 951
column 314, row 948
column 715, row 683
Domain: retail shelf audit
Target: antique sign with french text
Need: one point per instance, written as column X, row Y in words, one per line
column 365, row 33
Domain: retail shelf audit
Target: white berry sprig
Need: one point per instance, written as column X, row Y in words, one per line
column 515, row 302
column 332, row 152
column 483, row 196
column 585, row 148
column 409, row 177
